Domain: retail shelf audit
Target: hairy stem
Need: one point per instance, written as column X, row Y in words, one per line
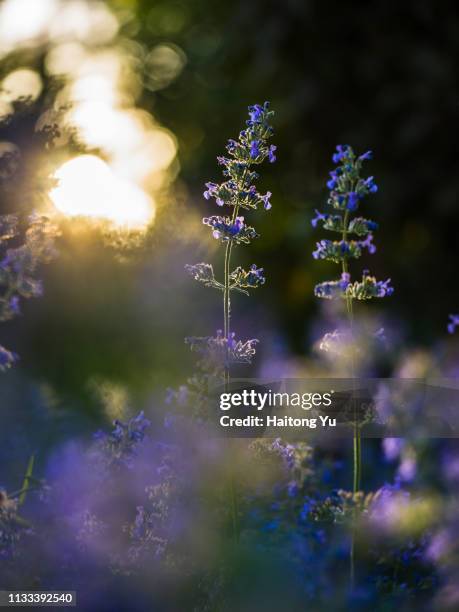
column 227, row 331
column 357, row 447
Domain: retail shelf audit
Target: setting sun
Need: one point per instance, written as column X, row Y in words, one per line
column 88, row 187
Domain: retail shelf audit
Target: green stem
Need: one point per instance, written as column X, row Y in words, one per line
column 356, row 434
column 27, row 480
column 227, row 331
column 357, row 443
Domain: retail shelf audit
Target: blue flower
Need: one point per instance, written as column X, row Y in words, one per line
column 368, row 243
column 345, row 281
column 371, row 225
column 7, row 359
column 254, row 149
column 342, row 151
column 266, row 203
column 255, row 276
column 353, row 200
column 257, row 113
column 454, row 322
column 210, row 191
column 319, row 217
column 370, row 184
column 271, row 153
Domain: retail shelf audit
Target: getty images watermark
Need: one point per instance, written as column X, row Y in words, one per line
column 252, row 399
column 382, row 407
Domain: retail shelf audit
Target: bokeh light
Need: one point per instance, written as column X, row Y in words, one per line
column 88, row 187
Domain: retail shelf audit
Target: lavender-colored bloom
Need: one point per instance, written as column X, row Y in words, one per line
column 407, row 469
column 14, row 305
column 219, row 350
column 333, row 182
column 368, row 244
column 7, row 359
column 440, row 546
column 255, row 276
column 254, row 149
column 266, row 203
column 271, row 153
column 319, row 217
column 345, row 281
column 12, row 527
column 392, row 448
column 353, row 200
column 453, row 323
column 370, row 185
column 341, row 153
column 212, row 191
column 18, row 268
column 120, row 445
column 384, row 288
column 225, row 229
column 386, row 506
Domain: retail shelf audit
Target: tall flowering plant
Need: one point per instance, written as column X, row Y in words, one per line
column 347, row 190
column 238, row 193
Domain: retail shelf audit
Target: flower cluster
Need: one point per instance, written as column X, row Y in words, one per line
column 366, row 289
column 12, row 526
column 335, row 250
column 223, row 351
column 240, row 279
column 119, row 446
column 250, row 149
column 18, row 267
column 347, row 190
column 453, row 323
column 358, row 225
column 225, row 228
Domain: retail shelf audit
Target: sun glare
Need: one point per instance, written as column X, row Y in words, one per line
column 88, row 187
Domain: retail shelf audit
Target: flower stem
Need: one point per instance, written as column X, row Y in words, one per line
column 357, row 446
column 227, row 332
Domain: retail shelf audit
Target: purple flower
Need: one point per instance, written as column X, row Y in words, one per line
column 407, row 469
column 255, row 276
column 370, row 184
column 255, row 113
column 341, row 153
column 454, row 322
column 384, row 288
column 345, row 281
column 7, row 359
column 353, row 200
column 392, row 447
column 368, row 243
column 266, row 203
column 386, row 506
column 319, row 217
column 271, row 153
column 226, row 229
column 333, row 182
column 14, row 305
column 231, row 147
column 367, row 155
column 211, row 190
column 371, row 225
column 255, row 149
